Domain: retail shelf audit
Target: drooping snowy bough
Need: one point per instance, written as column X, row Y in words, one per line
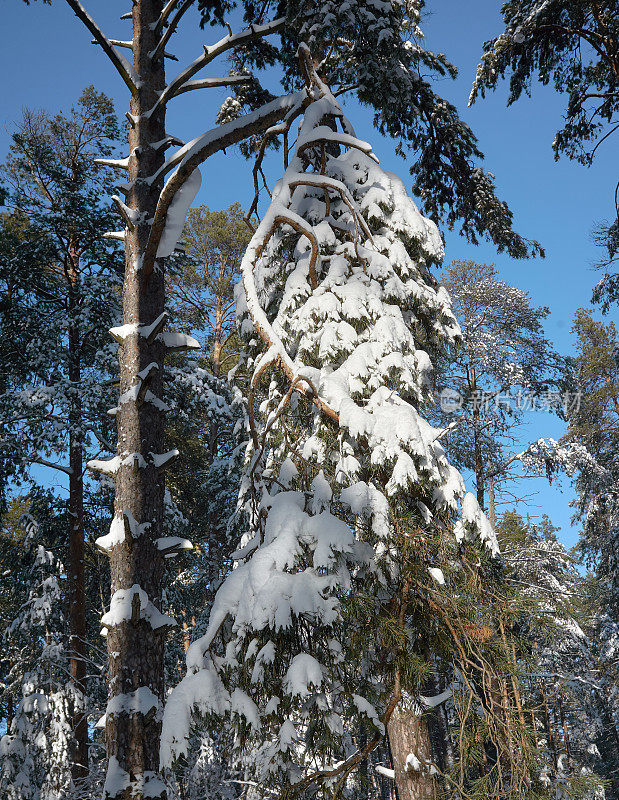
column 345, row 484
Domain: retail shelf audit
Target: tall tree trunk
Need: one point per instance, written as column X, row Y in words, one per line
column 408, row 735
column 77, row 594
column 137, row 634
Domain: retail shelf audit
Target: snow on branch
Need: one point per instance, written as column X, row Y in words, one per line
column 133, row 605
column 189, row 157
column 124, row 69
column 210, row 83
column 130, row 216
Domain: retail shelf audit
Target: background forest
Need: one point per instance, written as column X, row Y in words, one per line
column 309, row 423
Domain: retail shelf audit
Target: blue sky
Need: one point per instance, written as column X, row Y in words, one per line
column 46, row 60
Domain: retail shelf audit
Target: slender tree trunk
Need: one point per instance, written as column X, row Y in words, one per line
column 10, row 712
column 408, row 735
column 566, row 732
column 479, row 463
column 217, row 340
column 491, row 503
column 136, row 637
column 76, row 574
column 549, row 730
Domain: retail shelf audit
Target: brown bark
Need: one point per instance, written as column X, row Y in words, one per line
column 408, row 733
column 491, row 503
column 217, row 344
column 10, row 713
column 548, row 727
column 135, row 648
column 76, row 574
column 566, row 732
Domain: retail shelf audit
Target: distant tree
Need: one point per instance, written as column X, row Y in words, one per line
column 570, row 682
column 594, row 424
column 502, row 362
column 201, row 290
column 55, row 414
column 207, row 415
column 23, row 268
column 574, row 44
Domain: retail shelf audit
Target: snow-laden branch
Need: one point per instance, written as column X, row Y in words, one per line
column 189, row 157
column 129, row 46
column 549, row 456
column 124, row 69
column 210, row 83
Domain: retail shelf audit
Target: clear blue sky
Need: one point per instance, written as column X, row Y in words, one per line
column 46, row 60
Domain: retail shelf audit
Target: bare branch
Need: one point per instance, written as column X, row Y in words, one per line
column 124, row 69
column 209, row 83
column 37, row 460
column 171, row 27
column 210, row 53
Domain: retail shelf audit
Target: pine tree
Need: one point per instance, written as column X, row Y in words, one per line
column 57, row 416
column 349, row 502
column 201, row 290
column 572, row 44
column 503, row 367
column 21, row 307
column 594, row 425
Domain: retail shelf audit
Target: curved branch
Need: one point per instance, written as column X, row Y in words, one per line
column 196, row 152
column 209, row 83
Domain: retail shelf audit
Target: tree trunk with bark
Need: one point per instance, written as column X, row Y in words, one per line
column 137, row 631
column 409, row 736
column 76, row 574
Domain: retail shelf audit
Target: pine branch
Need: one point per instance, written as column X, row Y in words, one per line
column 209, row 83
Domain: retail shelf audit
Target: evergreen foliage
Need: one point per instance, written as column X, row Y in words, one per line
column 571, row 44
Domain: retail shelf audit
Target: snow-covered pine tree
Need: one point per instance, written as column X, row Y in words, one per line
column 502, row 367
column 324, row 635
column 36, row 751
